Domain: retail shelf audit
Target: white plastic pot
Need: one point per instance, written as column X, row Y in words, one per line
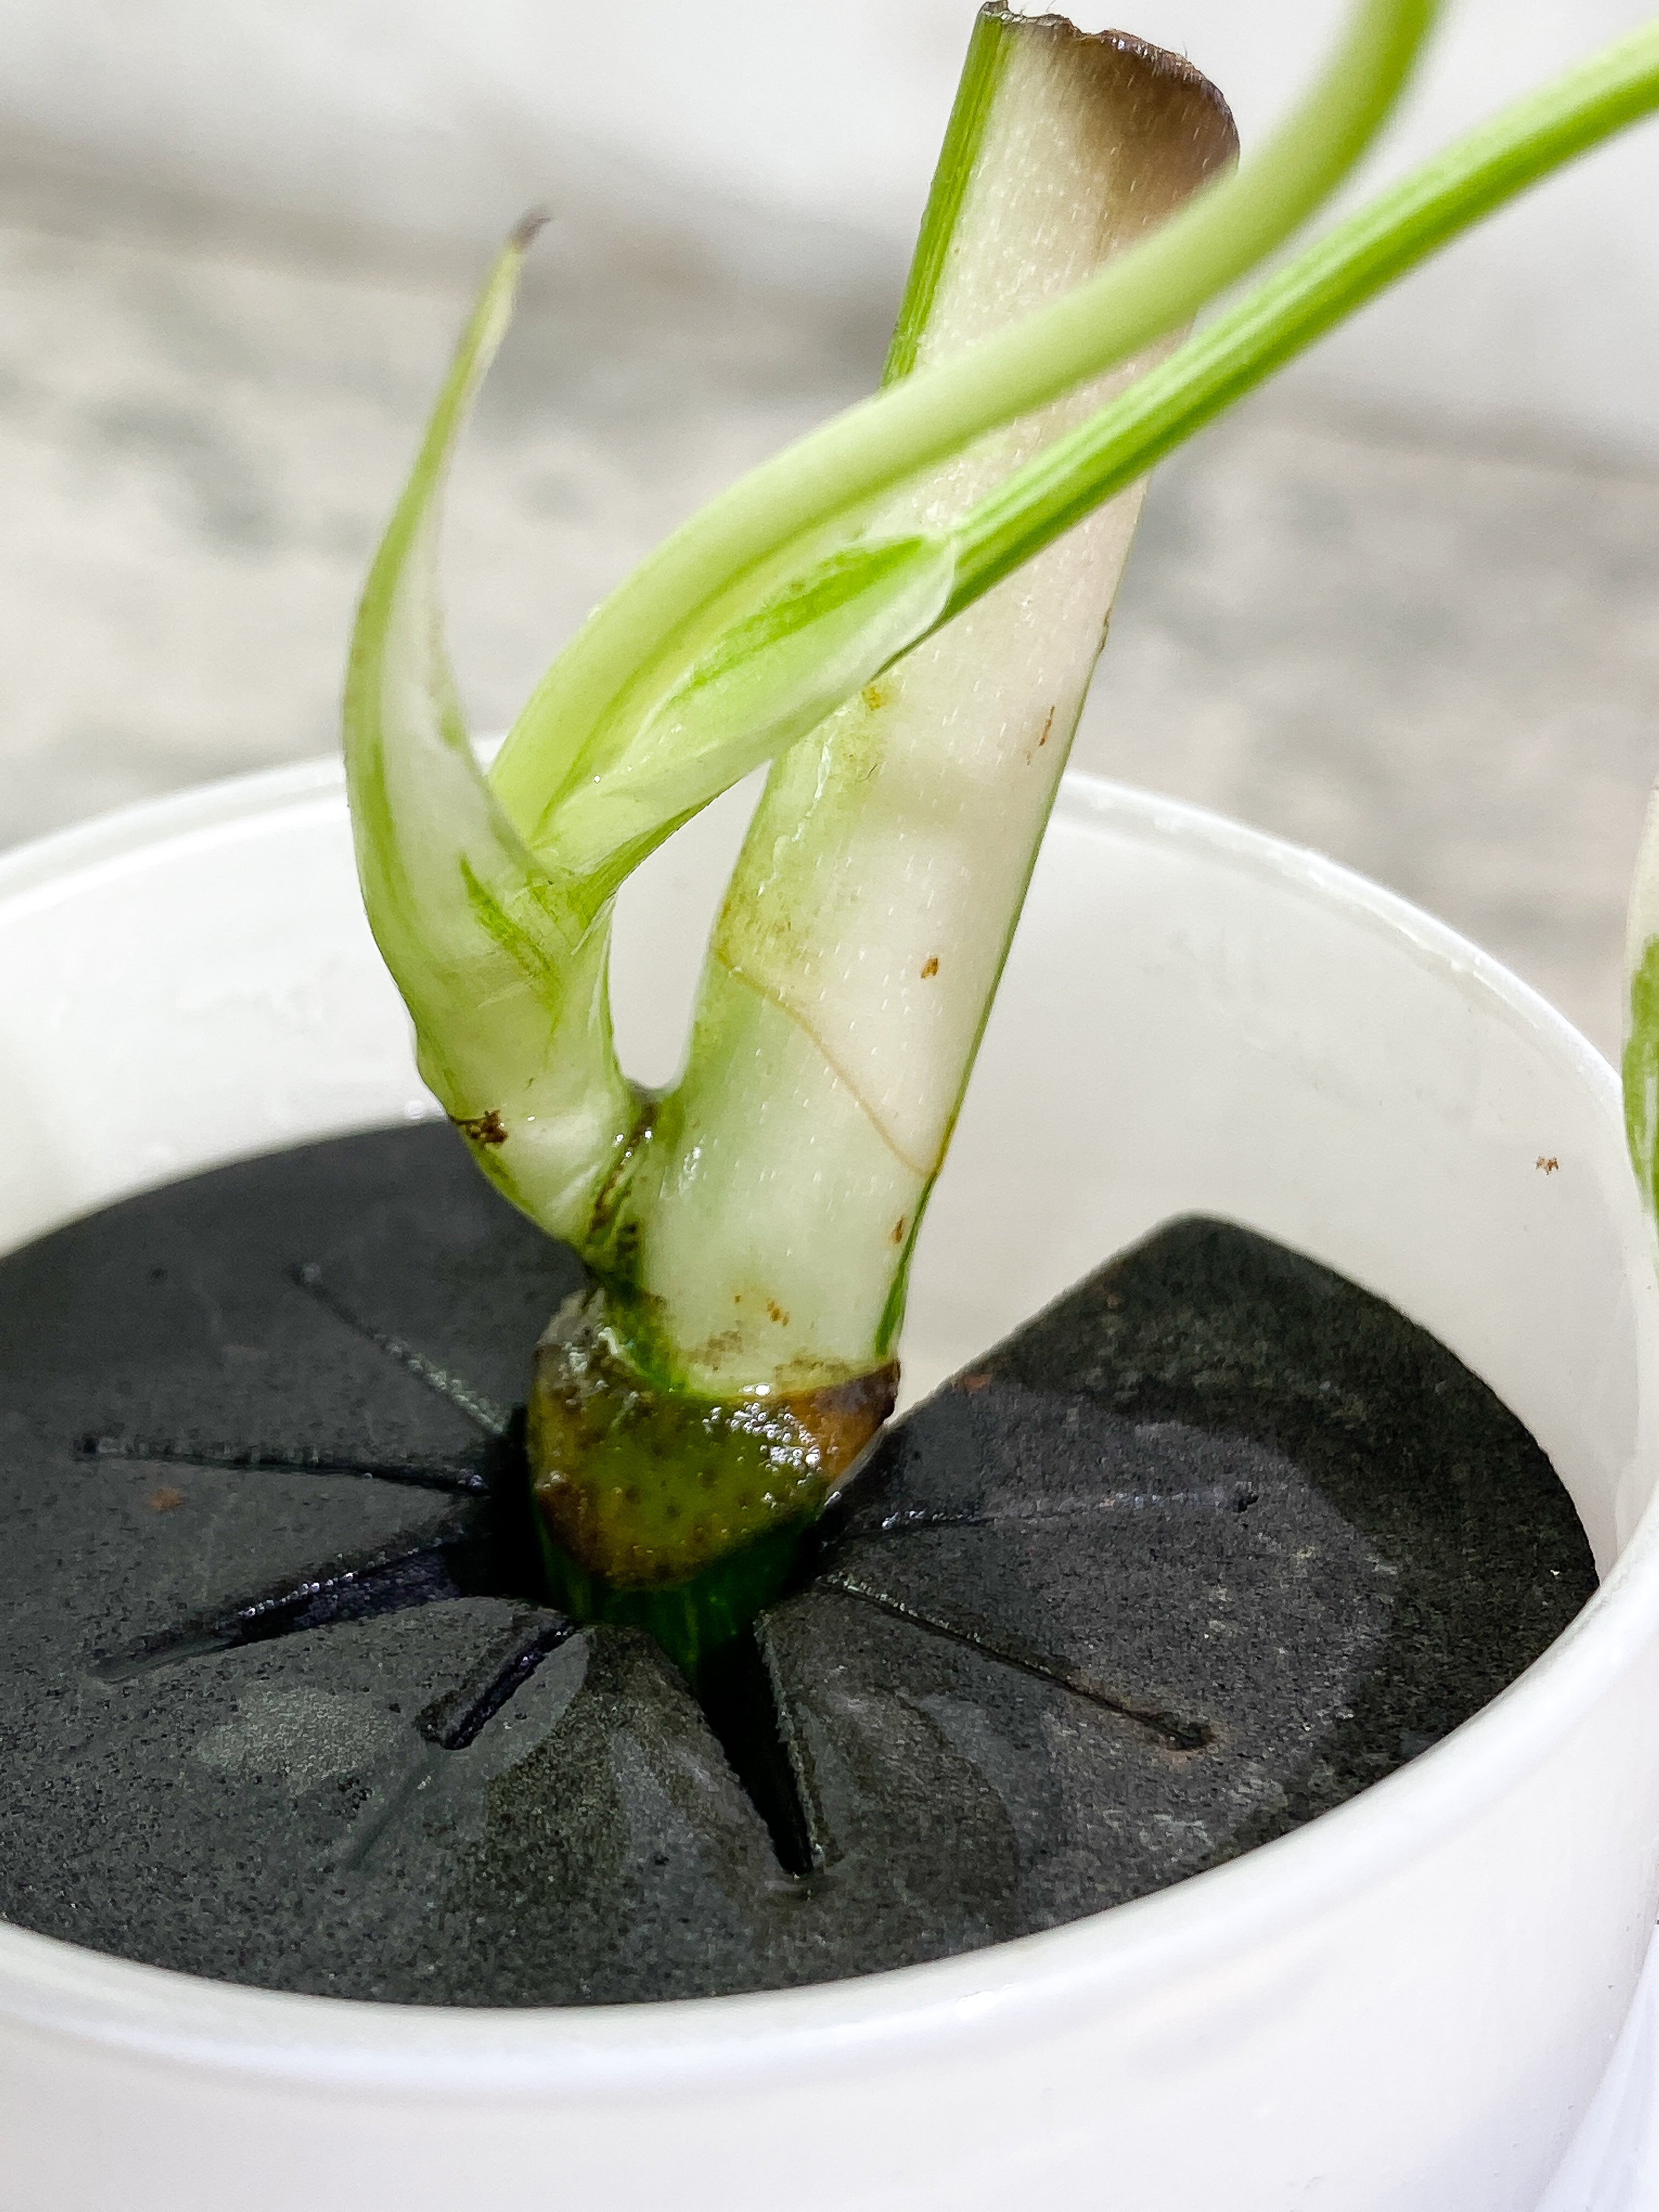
column 1408, row 2003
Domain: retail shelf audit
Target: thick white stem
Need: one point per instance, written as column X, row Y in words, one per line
column 866, row 926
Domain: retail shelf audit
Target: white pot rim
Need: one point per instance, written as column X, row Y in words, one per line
column 1038, row 1981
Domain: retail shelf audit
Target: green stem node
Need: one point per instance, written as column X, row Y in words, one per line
column 671, row 1511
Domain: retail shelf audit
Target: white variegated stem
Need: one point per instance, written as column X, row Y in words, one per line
column 501, row 963
column 1641, row 1055
column 855, row 960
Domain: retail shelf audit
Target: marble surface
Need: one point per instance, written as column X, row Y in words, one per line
column 1425, row 646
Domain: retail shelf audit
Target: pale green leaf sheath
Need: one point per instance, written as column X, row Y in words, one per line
column 870, row 914
column 501, row 962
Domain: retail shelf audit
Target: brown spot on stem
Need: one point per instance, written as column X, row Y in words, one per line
column 1047, row 725
column 898, row 1231
column 1548, row 1162
column 777, row 1313
column 843, row 1418
column 931, row 967
column 166, row 1499
column 481, row 1129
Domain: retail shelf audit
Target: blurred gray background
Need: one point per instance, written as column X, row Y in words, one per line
column 1405, row 606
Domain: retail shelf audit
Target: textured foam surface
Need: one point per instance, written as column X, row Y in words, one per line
column 1210, row 1546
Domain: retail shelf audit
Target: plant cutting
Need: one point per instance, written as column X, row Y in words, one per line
column 901, row 615
column 1022, row 2042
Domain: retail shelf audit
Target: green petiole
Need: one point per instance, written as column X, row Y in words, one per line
column 648, row 638
column 1321, row 287
column 1333, row 278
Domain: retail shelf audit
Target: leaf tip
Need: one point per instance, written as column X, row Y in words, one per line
column 528, row 228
